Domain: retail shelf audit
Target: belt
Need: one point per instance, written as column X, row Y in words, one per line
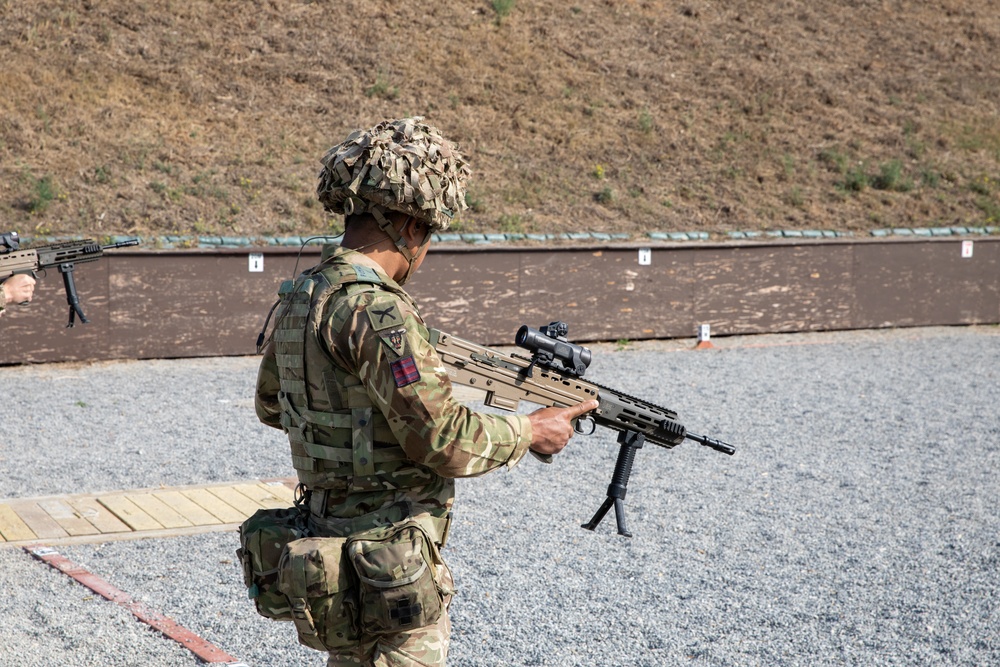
column 437, row 527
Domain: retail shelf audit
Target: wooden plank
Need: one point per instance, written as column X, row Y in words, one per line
column 159, row 510
column 12, row 528
column 189, row 509
column 99, row 516
column 281, row 490
column 260, row 494
column 67, row 517
column 38, row 520
column 920, row 284
column 153, row 327
column 234, row 498
column 127, row 511
column 224, row 512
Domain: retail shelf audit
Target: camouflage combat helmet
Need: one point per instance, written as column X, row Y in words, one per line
column 399, row 165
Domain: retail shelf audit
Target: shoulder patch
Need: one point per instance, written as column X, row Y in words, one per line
column 385, row 314
column 404, row 371
column 366, row 274
column 395, row 339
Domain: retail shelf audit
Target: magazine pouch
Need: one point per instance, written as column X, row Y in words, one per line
column 397, row 568
column 262, row 540
column 314, row 577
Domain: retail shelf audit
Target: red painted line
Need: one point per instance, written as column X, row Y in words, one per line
column 192, row 642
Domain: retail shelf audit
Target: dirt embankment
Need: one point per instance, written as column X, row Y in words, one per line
column 201, row 117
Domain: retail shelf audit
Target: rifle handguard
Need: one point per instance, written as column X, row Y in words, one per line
column 674, row 431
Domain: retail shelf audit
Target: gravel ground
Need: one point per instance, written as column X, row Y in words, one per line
column 857, row 523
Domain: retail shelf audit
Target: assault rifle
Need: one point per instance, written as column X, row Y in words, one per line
column 553, row 376
column 65, row 255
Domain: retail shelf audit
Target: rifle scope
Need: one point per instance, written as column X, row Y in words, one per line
column 9, row 242
column 549, row 345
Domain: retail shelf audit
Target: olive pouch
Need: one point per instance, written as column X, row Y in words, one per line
column 263, row 538
column 396, row 568
column 317, row 583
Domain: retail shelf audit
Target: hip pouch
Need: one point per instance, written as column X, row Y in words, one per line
column 262, row 540
column 398, row 588
column 317, row 583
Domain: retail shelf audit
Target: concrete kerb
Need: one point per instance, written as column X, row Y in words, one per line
column 208, row 242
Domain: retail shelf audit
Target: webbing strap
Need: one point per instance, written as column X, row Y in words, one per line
column 386, row 226
column 437, row 527
column 304, row 624
column 363, row 443
column 293, row 386
column 296, row 417
column 289, row 360
column 329, row 419
column 287, row 336
column 297, row 309
column 306, row 464
column 301, row 614
column 344, row 455
column 357, row 397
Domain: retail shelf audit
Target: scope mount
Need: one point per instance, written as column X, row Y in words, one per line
column 9, row 242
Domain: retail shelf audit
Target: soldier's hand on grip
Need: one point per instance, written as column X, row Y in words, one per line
column 19, row 288
column 551, row 428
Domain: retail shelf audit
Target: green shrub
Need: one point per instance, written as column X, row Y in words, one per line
column 43, row 193
column 856, row 179
column 503, row 8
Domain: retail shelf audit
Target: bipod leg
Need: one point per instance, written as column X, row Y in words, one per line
column 71, row 296
column 631, row 442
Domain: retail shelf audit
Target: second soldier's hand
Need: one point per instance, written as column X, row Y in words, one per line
column 551, row 428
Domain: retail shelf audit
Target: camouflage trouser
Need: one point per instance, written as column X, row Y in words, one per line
column 426, row 647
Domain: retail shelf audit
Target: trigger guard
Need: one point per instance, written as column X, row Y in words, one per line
column 579, row 425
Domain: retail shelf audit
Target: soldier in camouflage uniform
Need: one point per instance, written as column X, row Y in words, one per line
column 351, row 375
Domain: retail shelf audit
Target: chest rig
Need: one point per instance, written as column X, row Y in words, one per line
column 339, row 440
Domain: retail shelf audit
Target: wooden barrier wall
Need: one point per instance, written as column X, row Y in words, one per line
column 162, row 304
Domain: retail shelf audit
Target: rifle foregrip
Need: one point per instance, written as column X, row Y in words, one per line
column 71, row 296
column 631, row 442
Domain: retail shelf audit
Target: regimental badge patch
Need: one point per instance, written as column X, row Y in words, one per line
column 404, row 371
column 396, row 339
column 384, row 314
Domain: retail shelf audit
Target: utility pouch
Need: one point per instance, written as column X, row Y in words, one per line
column 316, row 581
column 263, row 538
column 398, row 583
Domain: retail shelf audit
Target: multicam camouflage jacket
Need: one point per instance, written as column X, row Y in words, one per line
column 364, row 399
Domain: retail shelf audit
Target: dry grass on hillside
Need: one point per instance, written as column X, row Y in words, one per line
column 157, row 117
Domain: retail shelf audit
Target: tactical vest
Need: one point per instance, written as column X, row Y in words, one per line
column 339, row 440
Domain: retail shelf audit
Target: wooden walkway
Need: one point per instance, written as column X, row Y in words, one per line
column 118, row 515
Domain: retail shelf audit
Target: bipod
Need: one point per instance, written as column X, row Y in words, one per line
column 631, row 442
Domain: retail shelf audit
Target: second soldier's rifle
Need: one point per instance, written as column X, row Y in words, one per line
column 553, row 376
column 65, row 255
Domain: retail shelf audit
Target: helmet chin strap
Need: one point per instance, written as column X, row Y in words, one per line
column 386, row 226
